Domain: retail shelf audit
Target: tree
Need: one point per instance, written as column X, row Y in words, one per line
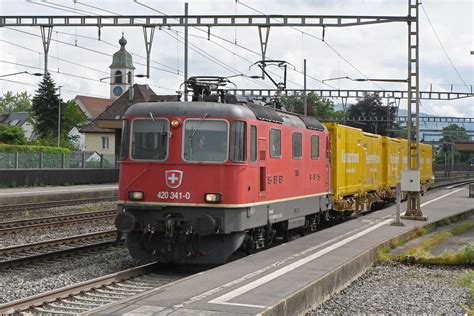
column 12, row 135
column 451, row 134
column 20, row 102
column 45, row 113
column 380, row 118
column 318, row 107
column 45, row 108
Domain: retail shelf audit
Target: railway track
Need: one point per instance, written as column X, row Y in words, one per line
column 18, row 255
column 85, row 296
column 54, row 221
column 49, row 204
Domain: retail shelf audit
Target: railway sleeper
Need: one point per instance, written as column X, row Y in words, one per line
column 71, row 308
column 50, row 312
column 98, row 296
column 90, row 300
column 88, row 304
column 121, row 289
column 133, row 287
column 112, row 293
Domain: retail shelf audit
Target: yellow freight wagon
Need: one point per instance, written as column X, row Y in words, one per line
column 372, row 146
column 426, row 163
column 391, row 161
column 348, row 167
column 426, row 167
column 403, row 155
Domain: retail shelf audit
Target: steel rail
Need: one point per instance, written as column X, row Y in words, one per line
column 20, row 254
column 48, row 204
column 54, row 221
column 41, row 299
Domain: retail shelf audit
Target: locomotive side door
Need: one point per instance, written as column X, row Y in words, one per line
column 262, row 166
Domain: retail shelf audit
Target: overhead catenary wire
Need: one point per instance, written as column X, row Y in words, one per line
column 55, row 57
column 320, row 39
column 89, row 49
column 443, row 47
column 207, row 56
column 62, row 89
column 202, row 52
column 238, row 45
column 67, row 9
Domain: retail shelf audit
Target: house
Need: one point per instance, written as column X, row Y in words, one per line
column 111, row 118
column 93, row 138
column 19, row 119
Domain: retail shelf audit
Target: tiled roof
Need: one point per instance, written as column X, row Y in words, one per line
column 14, row 118
column 91, row 106
column 142, row 93
column 93, row 128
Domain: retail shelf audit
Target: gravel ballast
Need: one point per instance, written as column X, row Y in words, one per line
column 46, row 276
column 44, row 234
column 6, row 216
column 394, row 288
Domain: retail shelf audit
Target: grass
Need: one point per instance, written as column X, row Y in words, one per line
column 468, row 281
column 420, row 253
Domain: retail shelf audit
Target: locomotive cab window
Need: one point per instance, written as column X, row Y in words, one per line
column 297, row 146
column 314, row 146
column 238, row 141
column 275, row 143
column 149, row 139
column 205, row 140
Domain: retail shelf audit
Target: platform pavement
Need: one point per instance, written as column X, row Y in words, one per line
column 291, row 278
column 33, row 195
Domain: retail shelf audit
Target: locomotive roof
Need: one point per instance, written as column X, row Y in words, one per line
column 214, row 109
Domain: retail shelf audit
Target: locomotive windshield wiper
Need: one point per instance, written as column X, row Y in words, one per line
column 196, row 129
column 194, row 133
column 163, row 130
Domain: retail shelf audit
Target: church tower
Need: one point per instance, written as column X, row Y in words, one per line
column 121, row 71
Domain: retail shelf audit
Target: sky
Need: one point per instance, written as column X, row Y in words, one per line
column 77, row 59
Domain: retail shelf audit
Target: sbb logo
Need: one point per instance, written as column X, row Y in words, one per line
column 173, row 178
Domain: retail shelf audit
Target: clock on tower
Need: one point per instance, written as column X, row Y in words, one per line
column 117, row 91
column 121, row 71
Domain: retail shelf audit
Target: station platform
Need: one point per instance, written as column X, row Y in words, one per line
column 291, row 278
column 38, row 195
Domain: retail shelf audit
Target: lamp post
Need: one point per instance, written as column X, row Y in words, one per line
column 59, row 115
column 37, row 74
column 137, row 76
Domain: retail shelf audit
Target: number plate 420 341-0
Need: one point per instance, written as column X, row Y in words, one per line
column 167, row 195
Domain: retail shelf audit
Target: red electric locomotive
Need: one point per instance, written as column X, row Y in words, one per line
column 200, row 179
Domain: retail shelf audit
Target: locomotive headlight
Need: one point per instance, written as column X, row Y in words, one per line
column 213, row 197
column 175, row 123
column 135, row 195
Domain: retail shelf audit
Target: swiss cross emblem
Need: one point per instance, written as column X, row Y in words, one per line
column 173, row 178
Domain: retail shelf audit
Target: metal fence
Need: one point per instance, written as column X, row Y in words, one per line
column 75, row 160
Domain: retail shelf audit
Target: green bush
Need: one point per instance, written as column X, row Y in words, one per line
column 33, row 149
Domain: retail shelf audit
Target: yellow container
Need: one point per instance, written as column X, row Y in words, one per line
column 391, row 162
column 403, row 154
column 347, row 157
column 426, row 163
column 373, row 171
